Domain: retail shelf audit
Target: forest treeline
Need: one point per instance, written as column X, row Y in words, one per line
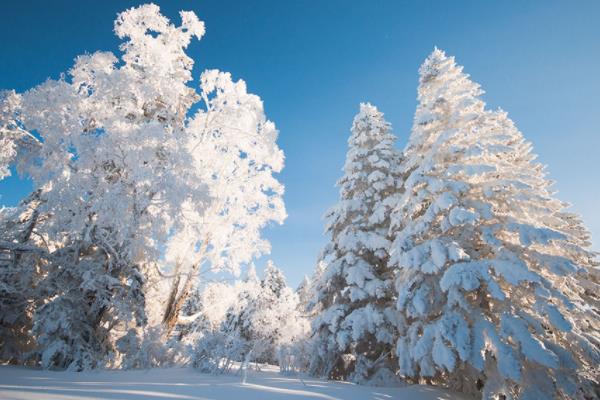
column 449, row 262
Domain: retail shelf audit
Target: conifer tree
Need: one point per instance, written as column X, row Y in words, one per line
column 304, row 291
column 354, row 334
column 313, row 292
column 493, row 276
column 261, row 318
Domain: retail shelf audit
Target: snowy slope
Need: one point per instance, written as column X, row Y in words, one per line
column 22, row 383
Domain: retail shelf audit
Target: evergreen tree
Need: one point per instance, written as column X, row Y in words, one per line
column 261, row 318
column 273, row 315
column 305, row 294
column 314, row 292
column 354, row 334
column 491, row 271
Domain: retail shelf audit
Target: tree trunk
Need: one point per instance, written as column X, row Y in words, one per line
column 177, row 299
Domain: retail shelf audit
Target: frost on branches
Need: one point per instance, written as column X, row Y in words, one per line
column 258, row 322
column 14, row 140
column 354, row 333
column 234, row 153
column 20, row 273
column 495, row 280
column 131, row 187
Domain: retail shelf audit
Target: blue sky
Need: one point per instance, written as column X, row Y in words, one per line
column 312, row 62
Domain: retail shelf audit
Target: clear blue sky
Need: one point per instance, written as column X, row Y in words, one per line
column 312, row 62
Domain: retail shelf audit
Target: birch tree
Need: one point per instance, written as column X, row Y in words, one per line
column 132, row 182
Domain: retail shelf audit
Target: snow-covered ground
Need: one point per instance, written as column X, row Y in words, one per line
column 182, row 383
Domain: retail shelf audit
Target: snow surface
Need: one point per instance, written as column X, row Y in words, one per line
column 185, row 383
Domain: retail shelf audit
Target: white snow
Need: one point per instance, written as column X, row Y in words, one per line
column 17, row 383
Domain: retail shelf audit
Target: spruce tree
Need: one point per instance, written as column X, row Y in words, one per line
column 261, row 319
column 496, row 285
column 354, row 334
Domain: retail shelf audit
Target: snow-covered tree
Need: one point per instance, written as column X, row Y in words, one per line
column 304, row 292
column 277, row 317
column 222, row 337
column 311, row 292
column 261, row 324
column 497, row 287
column 20, row 273
column 126, row 175
column 234, row 152
column 18, row 147
column 357, row 319
column 301, row 355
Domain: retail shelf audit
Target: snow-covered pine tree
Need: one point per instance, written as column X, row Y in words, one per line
column 261, row 319
column 310, row 300
column 354, row 333
column 309, row 292
column 304, row 292
column 277, row 318
column 496, row 285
